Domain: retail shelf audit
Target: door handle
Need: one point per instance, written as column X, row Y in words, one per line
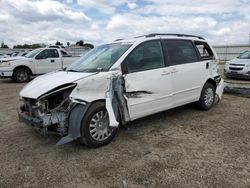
column 174, row 70
column 207, row 65
column 165, row 73
column 52, row 61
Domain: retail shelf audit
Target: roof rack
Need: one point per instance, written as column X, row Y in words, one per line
column 173, row 34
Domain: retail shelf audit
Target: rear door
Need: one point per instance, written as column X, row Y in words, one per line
column 187, row 71
column 147, row 80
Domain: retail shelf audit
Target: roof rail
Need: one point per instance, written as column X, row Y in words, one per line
column 173, row 34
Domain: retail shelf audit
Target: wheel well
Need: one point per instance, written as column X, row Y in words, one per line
column 99, row 100
column 118, row 108
column 211, row 81
column 22, row 67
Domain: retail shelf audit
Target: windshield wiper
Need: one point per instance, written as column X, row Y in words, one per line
column 71, row 70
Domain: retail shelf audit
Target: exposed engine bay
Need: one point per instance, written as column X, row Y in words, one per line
column 50, row 111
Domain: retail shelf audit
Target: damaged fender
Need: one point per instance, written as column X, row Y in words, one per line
column 116, row 102
column 111, row 89
column 75, row 121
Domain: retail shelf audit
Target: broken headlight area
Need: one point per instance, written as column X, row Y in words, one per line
column 49, row 113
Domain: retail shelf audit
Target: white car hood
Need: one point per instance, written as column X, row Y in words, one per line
column 13, row 58
column 239, row 61
column 47, row 82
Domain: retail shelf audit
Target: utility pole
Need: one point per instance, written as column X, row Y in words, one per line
column 249, row 38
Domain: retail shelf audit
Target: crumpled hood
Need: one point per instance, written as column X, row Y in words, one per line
column 239, row 61
column 47, row 82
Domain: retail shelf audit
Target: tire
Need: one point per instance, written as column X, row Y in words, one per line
column 96, row 121
column 207, row 97
column 21, row 75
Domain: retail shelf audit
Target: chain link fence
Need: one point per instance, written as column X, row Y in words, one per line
column 228, row 52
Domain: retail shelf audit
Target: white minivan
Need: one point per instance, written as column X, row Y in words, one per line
column 119, row 82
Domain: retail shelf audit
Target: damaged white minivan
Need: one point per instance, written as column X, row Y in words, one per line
column 119, row 82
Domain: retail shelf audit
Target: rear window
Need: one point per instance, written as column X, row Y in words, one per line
column 205, row 51
column 181, row 51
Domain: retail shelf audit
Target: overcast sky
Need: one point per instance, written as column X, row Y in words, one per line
column 100, row 21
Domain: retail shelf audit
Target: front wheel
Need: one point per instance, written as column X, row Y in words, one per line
column 95, row 129
column 21, row 75
column 207, row 97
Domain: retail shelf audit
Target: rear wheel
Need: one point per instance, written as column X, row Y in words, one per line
column 207, row 97
column 95, row 129
column 21, row 75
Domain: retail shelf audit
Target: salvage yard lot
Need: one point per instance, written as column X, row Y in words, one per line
column 183, row 147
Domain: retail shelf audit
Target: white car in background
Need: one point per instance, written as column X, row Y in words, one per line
column 119, row 82
column 3, row 56
column 238, row 67
column 36, row 62
column 14, row 56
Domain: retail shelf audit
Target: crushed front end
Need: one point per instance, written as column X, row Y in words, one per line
column 49, row 113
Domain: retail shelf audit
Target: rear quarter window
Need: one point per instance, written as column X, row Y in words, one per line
column 205, row 52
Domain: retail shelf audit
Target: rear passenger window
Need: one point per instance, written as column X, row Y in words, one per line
column 205, row 51
column 146, row 56
column 181, row 51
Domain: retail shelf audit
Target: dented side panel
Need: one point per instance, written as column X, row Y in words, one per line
column 92, row 88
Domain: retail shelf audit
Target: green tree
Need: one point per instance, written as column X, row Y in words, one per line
column 88, row 45
column 58, row 43
column 80, row 43
column 28, row 46
column 4, row 45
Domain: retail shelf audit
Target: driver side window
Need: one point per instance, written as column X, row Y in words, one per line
column 146, row 56
column 43, row 55
column 49, row 53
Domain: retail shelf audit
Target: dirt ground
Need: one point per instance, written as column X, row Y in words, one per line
column 183, row 147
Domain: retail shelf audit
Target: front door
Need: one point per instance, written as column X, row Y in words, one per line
column 147, row 80
column 46, row 61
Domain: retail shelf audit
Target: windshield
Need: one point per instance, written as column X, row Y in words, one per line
column 100, row 58
column 245, row 55
column 32, row 53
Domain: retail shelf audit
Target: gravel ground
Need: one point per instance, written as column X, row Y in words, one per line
column 183, row 147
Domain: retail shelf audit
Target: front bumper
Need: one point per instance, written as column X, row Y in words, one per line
column 237, row 75
column 6, row 72
column 244, row 73
column 30, row 121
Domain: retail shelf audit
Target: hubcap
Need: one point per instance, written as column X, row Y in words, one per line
column 22, row 75
column 209, row 96
column 99, row 126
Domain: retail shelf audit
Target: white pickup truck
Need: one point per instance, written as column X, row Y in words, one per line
column 36, row 62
